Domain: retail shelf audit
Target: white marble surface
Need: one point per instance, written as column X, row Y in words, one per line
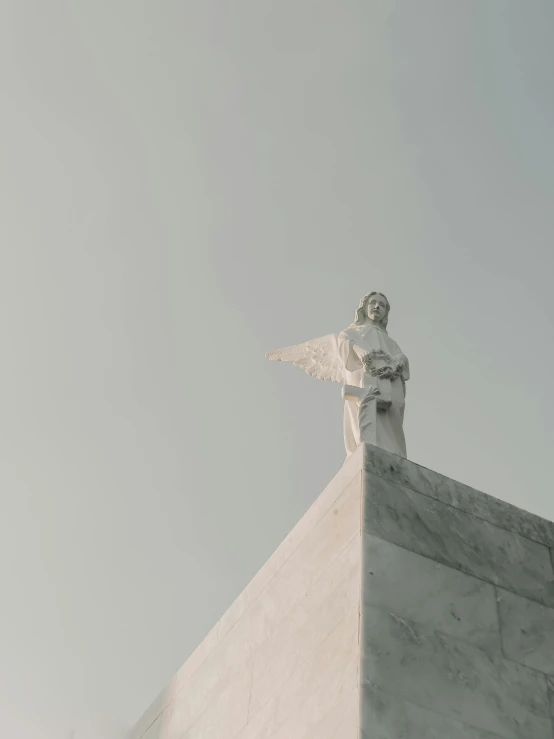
column 314, row 616
column 342, row 721
column 292, row 541
column 290, row 643
column 388, row 717
column 452, row 678
column 298, row 574
column 327, row 501
column 223, row 717
column 404, row 606
column 527, row 630
column 317, row 686
column 421, row 590
column 168, row 694
column 456, row 494
column 339, row 721
column 458, row 539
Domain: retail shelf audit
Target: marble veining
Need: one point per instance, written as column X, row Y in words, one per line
column 429, row 593
column 387, row 717
column 308, row 623
column 457, row 539
column 452, row 678
column 338, row 721
column 527, row 630
column 454, row 493
column 322, row 681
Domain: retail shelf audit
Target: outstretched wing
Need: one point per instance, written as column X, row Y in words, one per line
column 319, row 358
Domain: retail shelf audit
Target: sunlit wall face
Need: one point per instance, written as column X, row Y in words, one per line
column 187, row 185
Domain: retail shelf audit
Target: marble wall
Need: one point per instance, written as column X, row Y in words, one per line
column 283, row 661
column 457, row 610
column 404, row 605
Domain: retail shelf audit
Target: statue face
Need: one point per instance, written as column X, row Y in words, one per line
column 377, row 308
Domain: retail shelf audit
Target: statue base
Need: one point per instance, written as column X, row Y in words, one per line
column 403, row 604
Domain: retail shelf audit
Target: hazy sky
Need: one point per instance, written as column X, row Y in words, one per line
column 187, row 184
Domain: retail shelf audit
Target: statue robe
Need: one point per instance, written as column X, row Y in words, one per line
column 362, row 420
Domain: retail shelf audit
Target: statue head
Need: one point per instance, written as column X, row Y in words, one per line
column 374, row 306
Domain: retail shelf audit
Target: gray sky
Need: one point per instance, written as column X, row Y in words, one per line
column 186, row 185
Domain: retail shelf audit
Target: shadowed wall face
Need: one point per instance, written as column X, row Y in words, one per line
column 457, row 610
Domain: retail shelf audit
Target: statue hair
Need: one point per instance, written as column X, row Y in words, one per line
column 361, row 313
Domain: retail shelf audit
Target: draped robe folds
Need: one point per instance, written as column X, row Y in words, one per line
column 362, row 420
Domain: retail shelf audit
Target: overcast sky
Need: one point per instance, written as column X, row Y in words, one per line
column 187, row 184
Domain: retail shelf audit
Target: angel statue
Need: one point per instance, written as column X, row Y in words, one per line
column 373, row 372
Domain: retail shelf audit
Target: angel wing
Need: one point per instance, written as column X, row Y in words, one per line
column 319, row 358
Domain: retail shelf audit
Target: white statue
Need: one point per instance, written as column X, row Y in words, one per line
column 372, row 370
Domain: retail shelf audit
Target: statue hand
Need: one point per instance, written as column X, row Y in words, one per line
column 374, row 393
